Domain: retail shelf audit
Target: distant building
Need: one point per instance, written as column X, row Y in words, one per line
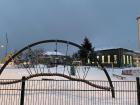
column 54, row 58
column 118, row 57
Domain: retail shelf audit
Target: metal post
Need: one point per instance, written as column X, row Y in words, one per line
column 6, row 49
column 138, row 89
column 22, row 91
column 113, row 92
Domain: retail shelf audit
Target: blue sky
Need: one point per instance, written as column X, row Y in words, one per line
column 107, row 23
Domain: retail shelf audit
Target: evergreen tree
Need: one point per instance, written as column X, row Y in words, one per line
column 86, row 54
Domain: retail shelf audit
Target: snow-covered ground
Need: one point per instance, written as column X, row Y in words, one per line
column 93, row 73
column 46, row 91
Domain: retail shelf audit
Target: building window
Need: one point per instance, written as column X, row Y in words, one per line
column 103, row 59
column 131, row 60
column 115, row 59
column 123, row 59
column 98, row 57
column 108, row 57
column 127, row 59
column 137, row 62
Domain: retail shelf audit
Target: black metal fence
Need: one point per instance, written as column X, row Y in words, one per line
column 65, row 92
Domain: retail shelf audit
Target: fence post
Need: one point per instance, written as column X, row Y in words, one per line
column 113, row 92
column 22, row 91
column 138, row 89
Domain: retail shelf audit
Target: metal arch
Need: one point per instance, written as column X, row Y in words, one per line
column 34, row 44
column 60, row 41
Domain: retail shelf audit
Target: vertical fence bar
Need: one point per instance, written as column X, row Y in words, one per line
column 138, row 89
column 22, row 91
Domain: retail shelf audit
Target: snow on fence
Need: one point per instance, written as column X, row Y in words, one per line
column 66, row 92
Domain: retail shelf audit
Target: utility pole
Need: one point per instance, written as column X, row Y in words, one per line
column 1, row 50
column 6, row 49
column 138, row 22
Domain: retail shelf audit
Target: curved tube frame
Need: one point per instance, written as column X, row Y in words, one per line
column 60, row 75
column 60, row 41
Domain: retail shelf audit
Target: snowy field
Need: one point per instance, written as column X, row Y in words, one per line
column 65, row 92
column 93, row 74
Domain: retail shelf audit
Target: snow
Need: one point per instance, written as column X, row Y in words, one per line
column 48, row 97
column 53, row 53
column 106, row 48
column 93, row 74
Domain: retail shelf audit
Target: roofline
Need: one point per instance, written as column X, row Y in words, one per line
column 109, row 49
column 117, row 49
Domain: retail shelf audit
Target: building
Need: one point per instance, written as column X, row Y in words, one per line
column 118, row 57
column 54, row 58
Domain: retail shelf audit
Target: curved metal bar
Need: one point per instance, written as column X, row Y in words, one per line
column 60, row 75
column 60, row 41
column 107, row 75
column 34, row 44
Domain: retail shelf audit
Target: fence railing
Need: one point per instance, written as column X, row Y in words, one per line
column 65, row 92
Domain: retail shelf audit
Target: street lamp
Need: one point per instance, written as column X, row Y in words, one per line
column 1, row 47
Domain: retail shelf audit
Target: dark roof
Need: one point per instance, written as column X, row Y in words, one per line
column 128, row 50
